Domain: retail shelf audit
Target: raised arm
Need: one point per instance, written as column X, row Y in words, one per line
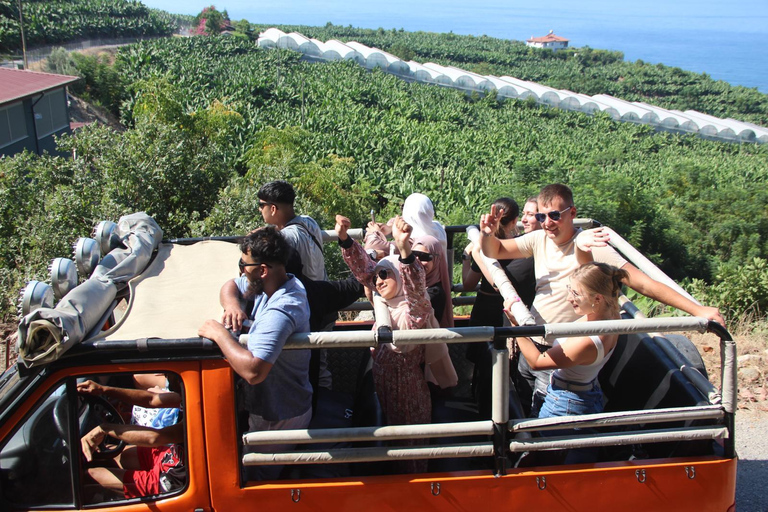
column 354, row 256
column 492, row 246
column 469, row 278
column 586, row 240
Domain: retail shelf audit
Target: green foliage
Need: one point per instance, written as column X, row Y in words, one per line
column 58, row 21
column 61, row 62
column 583, row 70
column 211, row 119
column 737, row 289
column 101, row 83
column 210, row 22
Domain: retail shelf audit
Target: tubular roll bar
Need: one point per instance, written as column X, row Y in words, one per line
column 500, row 427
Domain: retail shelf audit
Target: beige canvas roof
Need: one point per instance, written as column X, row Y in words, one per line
column 178, row 291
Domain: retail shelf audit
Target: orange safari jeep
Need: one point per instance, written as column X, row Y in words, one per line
column 665, row 440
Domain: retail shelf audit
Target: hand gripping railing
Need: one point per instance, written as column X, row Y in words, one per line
column 500, row 426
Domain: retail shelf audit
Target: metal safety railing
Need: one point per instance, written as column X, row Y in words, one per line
column 500, row 428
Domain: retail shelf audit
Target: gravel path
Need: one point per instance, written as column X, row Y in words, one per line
column 752, row 468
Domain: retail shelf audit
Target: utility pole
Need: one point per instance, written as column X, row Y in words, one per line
column 23, row 41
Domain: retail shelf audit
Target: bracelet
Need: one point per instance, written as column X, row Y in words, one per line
column 485, row 234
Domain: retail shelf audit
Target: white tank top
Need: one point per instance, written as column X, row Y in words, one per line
column 584, row 373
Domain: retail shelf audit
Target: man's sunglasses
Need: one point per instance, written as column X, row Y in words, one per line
column 422, row 256
column 242, row 265
column 554, row 215
column 262, row 204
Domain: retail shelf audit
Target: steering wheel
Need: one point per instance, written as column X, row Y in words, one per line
column 92, row 411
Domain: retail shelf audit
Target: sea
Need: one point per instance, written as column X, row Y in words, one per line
column 720, row 38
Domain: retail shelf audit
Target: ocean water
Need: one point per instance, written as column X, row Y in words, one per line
column 715, row 37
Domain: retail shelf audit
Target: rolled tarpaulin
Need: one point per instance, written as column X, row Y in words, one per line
column 46, row 333
column 501, row 281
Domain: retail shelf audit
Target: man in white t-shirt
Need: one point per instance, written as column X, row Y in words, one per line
column 559, row 248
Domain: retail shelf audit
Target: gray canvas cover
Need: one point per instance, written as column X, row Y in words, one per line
column 46, row 333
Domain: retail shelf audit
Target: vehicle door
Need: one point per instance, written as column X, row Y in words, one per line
column 42, row 466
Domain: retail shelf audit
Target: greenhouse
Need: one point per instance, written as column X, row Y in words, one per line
column 740, row 130
column 471, row 80
column 336, row 50
column 422, row 73
column 509, row 90
column 375, row 58
column 270, row 37
column 546, row 95
column 710, row 126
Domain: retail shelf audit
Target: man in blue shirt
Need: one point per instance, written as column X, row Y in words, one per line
column 279, row 395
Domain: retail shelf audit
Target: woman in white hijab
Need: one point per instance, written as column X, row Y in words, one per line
column 419, row 212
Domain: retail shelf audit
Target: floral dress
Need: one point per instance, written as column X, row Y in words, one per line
column 398, row 375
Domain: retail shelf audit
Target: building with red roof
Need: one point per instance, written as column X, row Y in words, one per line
column 549, row 41
column 33, row 110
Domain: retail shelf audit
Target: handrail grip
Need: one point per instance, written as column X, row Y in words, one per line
column 333, row 435
column 605, row 419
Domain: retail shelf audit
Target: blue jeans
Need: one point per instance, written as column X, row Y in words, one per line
column 563, row 402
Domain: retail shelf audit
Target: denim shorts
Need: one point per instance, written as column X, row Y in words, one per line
column 563, row 402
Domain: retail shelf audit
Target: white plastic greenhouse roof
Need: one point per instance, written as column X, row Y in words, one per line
column 709, row 127
column 690, row 121
column 472, row 80
column 344, row 52
column 510, row 90
column 425, row 74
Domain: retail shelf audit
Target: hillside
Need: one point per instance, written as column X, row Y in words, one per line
column 59, row 21
column 583, row 70
column 211, row 118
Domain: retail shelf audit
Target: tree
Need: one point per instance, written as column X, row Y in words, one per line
column 209, row 22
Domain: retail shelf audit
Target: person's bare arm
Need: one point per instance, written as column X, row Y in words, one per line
column 642, row 283
column 245, row 364
column 229, row 297
column 131, row 434
column 478, row 256
column 140, row 397
column 573, row 352
column 492, row 246
column 469, row 278
column 587, row 240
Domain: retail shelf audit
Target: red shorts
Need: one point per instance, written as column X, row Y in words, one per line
column 145, row 481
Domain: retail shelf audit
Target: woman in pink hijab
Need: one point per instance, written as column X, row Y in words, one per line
column 400, row 382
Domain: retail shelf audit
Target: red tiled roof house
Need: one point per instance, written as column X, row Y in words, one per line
column 549, row 41
column 33, row 110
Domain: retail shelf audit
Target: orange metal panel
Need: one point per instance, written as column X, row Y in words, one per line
column 667, row 487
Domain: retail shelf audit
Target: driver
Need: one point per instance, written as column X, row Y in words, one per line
column 153, row 461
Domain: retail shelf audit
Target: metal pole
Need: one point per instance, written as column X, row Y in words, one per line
column 23, row 40
column 500, row 404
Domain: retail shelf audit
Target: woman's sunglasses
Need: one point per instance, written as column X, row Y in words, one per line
column 554, row 215
column 422, row 256
column 383, row 274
